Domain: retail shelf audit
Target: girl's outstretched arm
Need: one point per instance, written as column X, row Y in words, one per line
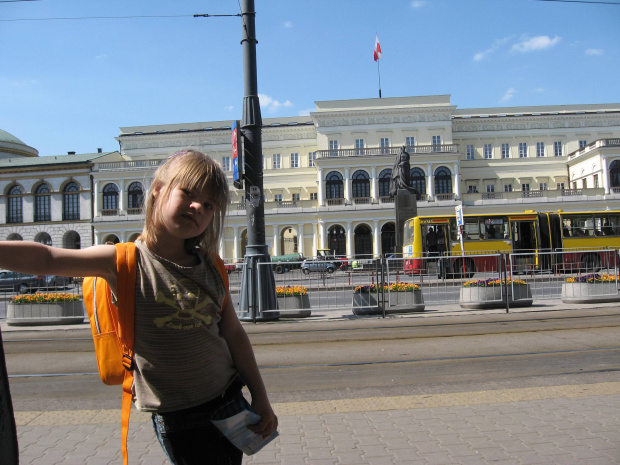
column 40, row 259
column 245, row 362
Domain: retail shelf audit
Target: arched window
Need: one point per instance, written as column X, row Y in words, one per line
column 135, row 197
column 110, row 198
column 71, row 240
column 363, row 241
column 42, row 203
column 43, row 238
column 614, row 174
column 384, row 182
column 337, row 240
column 361, row 184
column 388, row 240
column 15, row 208
column 334, row 188
column 71, row 202
column 417, row 180
column 443, row 181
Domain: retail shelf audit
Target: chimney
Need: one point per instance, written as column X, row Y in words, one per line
column 70, row 153
column 99, row 150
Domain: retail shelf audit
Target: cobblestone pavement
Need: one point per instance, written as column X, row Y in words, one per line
column 572, row 424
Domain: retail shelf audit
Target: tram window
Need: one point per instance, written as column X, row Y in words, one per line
column 579, row 225
column 471, row 229
column 610, row 224
column 494, row 228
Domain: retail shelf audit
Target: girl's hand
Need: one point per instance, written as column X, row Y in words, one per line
column 269, row 421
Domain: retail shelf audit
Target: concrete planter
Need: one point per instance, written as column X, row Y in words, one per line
column 582, row 293
column 52, row 313
column 405, row 302
column 491, row 297
column 294, row 306
column 366, row 303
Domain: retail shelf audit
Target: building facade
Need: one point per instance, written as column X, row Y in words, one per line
column 326, row 175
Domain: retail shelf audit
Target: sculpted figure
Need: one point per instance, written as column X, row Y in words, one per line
column 400, row 174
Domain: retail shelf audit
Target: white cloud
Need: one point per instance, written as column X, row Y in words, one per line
column 271, row 104
column 418, row 3
column 497, row 44
column 230, row 108
column 288, row 24
column 594, row 51
column 536, row 43
column 306, row 112
column 509, row 94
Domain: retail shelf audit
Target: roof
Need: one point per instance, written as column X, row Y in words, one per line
column 51, row 160
column 7, row 137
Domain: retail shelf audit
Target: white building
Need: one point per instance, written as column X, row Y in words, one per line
column 326, row 176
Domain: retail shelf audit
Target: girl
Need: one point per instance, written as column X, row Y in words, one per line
column 192, row 354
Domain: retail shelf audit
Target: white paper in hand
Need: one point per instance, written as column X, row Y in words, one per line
column 235, row 428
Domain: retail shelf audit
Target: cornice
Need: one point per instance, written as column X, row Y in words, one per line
column 507, row 123
column 384, row 117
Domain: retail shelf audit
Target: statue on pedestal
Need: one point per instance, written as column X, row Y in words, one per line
column 400, row 174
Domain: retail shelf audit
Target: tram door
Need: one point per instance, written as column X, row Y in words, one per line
column 524, row 245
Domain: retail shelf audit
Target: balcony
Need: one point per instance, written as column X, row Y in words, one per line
column 391, row 151
column 601, row 143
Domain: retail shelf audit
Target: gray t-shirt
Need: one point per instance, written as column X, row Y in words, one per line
column 181, row 359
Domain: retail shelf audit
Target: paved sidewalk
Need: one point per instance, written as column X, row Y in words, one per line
column 574, row 424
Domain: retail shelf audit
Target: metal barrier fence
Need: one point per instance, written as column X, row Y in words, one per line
column 496, row 280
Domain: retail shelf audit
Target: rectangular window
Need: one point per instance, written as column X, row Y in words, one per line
column 583, row 143
column 560, row 186
column 596, row 180
column 384, row 143
column 490, row 188
column 505, row 150
column 311, row 159
column 507, row 187
column 359, row 146
column 277, row 198
column 584, row 183
column 276, row 161
column 294, row 160
column 314, row 196
column 295, row 197
column 540, row 149
column 522, row 149
column 525, row 187
column 557, row 149
column 226, row 163
column 470, row 152
column 410, row 141
column 542, row 186
column 333, row 146
column 472, row 189
column 488, row 151
column 436, row 143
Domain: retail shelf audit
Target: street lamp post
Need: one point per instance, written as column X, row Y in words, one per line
column 258, row 285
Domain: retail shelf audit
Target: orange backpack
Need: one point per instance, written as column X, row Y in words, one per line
column 113, row 328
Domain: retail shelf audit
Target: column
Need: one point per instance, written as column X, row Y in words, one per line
column 349, row 239
column 605, row 175
column 300, row 239
column 236, row 239
column 376, row 239
column 431, row 182
column 374, row 190
column 347, row 186
column 321, row 194
column 457, row 182
column 321, row 237
column 275, row 249
column 96, row 196
column 121, row 198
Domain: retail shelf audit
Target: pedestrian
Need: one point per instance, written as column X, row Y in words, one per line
column 192, row 354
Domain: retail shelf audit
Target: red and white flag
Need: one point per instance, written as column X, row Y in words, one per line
column 377, row 53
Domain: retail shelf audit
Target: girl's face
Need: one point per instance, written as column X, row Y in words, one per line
column 186, row 213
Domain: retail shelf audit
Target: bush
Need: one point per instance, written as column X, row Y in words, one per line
column 291, row 290
column 494, row 282
column 593, row 278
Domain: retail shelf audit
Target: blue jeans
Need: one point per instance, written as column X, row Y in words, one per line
column 189, row 438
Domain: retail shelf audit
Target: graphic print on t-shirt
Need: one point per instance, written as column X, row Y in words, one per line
column 189, row 304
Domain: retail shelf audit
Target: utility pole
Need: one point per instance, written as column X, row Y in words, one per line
column 258, row 285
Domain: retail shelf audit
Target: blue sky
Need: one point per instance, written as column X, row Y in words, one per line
column 68, row 85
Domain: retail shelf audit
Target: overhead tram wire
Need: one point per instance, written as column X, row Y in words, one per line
column 582, row 1
column 97, row 17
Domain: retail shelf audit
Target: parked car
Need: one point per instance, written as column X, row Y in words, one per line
column 317, row 265
column 20, row 282
column 58, row 281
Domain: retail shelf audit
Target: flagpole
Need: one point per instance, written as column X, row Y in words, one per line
column 379, row 73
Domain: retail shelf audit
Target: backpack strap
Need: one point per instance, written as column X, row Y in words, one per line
column 126, row 298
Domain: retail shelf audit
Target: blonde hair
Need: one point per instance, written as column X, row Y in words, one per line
column 195, row 171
